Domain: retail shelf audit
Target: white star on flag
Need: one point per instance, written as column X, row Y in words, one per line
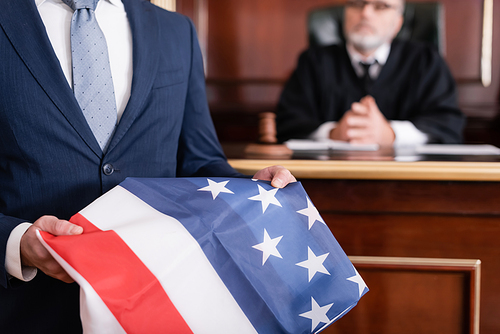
column 268, row 247
column 216, row 188
column 357, row 279
column 314, row 264
column 312, row 214
column 266, row 197
column 317, row 314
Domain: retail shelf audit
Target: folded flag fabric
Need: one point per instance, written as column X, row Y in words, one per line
column 198, row 255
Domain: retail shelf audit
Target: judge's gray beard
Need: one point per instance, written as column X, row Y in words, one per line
column 364, row 42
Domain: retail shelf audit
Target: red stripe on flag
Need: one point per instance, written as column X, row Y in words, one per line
column 128, row 288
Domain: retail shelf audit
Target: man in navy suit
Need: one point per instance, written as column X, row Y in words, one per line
column 51, row 165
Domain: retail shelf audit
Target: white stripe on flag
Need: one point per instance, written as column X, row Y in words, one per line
column 175, row 258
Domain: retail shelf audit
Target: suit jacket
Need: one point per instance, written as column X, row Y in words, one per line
column 50, row 162
column 414, row 85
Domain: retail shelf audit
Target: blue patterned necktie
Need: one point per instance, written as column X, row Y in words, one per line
column 92, row 81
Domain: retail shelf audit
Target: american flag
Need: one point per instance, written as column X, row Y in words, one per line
column 206, row 255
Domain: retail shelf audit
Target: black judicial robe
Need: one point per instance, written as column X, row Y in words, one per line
column 415, row 84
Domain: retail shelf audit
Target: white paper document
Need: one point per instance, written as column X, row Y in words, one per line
column 458, row 149
column 328, row 144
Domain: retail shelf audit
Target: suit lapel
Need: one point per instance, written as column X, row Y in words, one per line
column 145, row 39
column 24, row 27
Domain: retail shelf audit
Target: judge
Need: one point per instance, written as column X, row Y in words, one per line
column 372, row 89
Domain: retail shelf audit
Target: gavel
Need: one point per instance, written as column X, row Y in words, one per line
column 267, row 144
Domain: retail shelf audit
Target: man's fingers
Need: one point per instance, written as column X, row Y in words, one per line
column 278, row 175
column 355, row 121
column 282, row 177
column 53, row 269
column 361, row 141
column 56, row 226
column 34, row 254
column 365, row 124
column 359, row 108
column 357, row 134
column 368, row 101
column 370, row 105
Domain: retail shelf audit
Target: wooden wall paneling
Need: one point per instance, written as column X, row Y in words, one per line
column 198, row 12
column 465, row 61
column 251, row 47
column 415, row 295
column 429, row 236
column 261, row 40
column 167, row 4
column 439, row 197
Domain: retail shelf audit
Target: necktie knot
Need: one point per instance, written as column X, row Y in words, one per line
column 81, row 4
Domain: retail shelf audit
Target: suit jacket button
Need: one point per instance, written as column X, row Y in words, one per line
column 108, row 169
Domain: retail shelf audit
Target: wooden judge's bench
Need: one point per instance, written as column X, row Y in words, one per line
column 423, row 232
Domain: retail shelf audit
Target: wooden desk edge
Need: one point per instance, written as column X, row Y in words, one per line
column 378, row 170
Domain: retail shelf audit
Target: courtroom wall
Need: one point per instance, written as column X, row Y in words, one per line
column 251, row 47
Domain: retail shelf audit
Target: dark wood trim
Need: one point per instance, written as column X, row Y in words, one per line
column 469, row 268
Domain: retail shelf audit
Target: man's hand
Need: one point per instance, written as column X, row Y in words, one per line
column 34, row 254
column 278, row 175
column 364, row 124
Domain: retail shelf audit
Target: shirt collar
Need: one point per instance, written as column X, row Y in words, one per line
column 117, row 3
column 380, row 55
column 377, row 59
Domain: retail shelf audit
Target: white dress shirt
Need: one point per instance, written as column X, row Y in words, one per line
column 406, row 134
column 377, row 59
column 56, row 16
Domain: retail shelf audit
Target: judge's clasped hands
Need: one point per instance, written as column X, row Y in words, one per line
column 364, row 123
